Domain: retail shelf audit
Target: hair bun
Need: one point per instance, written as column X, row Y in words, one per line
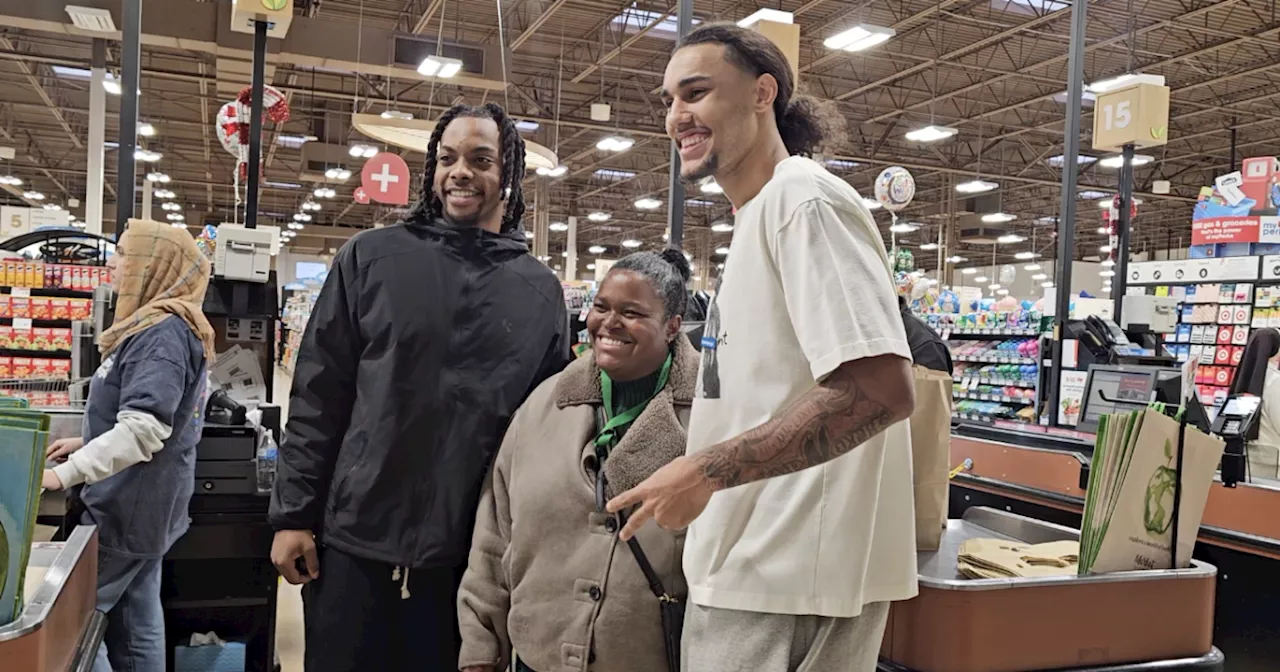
column 676, row 258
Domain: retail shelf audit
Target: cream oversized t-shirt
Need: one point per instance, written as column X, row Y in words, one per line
column 806, row 287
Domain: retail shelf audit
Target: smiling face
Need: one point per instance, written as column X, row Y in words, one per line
column 713, row 109
column 468, row 178
column 630, row 337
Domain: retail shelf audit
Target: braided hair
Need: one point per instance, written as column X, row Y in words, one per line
column 429, row 207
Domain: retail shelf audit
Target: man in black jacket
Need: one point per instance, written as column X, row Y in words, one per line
column 425, row 339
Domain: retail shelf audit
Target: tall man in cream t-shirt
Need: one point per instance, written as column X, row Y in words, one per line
column 797, row 447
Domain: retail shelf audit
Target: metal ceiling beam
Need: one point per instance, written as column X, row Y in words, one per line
column 54, row 108
column 537, row 24
column 622, row 47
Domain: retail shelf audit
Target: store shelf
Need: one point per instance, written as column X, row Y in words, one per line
column 983, row 380
column 13, row 352
column 54, row 324
column 974, row 396
column 990, row 333
column 54, row 292
column 993, row 359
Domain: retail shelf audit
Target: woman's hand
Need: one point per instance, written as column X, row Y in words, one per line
column 50, row 480
column 60, row 449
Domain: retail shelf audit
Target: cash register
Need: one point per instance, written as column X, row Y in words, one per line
column 1234, row 422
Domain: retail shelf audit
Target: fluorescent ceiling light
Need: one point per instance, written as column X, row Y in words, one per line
column 340, row 174
column 841, row 164
column 975, row 186
column 1104, row 249
column 526, row 126
column 993, row 286
column 164, row 193
column 528, row 235
column 283, row 185
column 648, row 203
column 998, row 217
column 10, row 181
column 1031, row 267
column 1087, row 99
column 293, row 141
column 1026, row 255
column 33, row 195
column 931, row 134
column 968, row 271
column 1047, row 219
column 955, row 259
column 395, row 114
column 1009, row 239
column 980, row 278
column 859, row 37
column 363, row 151
column 1002, row 292
column 632, row 19
column 614, row 174
column 598, row 216
column 1092, row 194
column 146, row 130
column 1106, row 274
column 52, row 206
column 559, row 227
column 171, row 207
column 439, row 66
column 722, row 251
column 699, row 203
column 929, row 246
column 1108, row 262
column 871, row 203
column 596, row 249
column 614, row 143
column 324, row 192
column 1105, row 85
column 158, row 177
column 1039, row 276
column 91, row 19
column 1047, row 284
column 1117, row 161
column 904, row 227
column 112, row 85
column 591, row 267
column 766, row 14
column 1081, row 160
column 722, row 227
column 552, row 172
column 631, row 243
column 71, row 73
column 147, row 155
column 710, row 186
column 175, row 217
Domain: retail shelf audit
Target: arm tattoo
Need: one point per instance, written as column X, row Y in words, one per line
column 826, row 422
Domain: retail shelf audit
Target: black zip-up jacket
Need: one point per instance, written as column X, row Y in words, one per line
column 424, row 341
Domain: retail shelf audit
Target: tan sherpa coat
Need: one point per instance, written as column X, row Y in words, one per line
column 547, row 575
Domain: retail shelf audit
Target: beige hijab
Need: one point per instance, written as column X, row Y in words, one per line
column 161, row 273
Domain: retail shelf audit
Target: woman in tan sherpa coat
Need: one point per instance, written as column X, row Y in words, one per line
column 548, row 579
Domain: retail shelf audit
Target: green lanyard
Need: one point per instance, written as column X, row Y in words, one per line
column 609, row 434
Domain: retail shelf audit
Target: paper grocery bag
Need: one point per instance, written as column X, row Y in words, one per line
column 1138, row 532
column 931, row 454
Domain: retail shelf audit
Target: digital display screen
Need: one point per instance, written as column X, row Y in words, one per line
column 1242, row 406
column 1123, row 391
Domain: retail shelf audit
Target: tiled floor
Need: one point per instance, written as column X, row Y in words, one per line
column 289, row 640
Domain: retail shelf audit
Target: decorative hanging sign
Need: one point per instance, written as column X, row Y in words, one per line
column 894, row 188
column 385, row 179
column 360, row 195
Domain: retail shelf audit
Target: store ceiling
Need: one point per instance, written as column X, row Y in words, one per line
column 994, row 69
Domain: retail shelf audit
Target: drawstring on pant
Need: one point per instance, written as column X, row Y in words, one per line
column 404, row 581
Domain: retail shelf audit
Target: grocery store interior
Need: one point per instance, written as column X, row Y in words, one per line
column 1082, row 199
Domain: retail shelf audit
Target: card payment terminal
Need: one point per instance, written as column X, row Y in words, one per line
column 1233, row 424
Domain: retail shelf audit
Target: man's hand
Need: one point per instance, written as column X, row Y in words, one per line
column 50, row 480
column 287, row 547
column 60, row 449
column 673, row 496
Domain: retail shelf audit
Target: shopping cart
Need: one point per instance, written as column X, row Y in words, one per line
column 48, row 394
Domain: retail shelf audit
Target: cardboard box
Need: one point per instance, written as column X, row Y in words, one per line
column 6, row 367
column 59, row 309
column 60, row 339
column 20, row 339
column 41, row 309
column 41, row 338
column 80, row 309
column 22, row 367
column 62, row 369
column 19, row 307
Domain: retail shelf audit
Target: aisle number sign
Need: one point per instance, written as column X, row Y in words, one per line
column 1137, row 114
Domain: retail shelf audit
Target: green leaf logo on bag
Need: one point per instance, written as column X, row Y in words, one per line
column 274, row 5
column 1157, row 507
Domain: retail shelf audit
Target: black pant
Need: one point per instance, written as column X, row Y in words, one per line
column 357, row 621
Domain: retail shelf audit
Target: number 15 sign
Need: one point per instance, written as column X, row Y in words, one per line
column 1137, row 114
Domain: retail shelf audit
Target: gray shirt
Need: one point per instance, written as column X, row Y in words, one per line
column 142, row 510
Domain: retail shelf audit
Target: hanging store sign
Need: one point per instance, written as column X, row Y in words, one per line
column 385, row 179
column 1214, row 230
column 1135, row 115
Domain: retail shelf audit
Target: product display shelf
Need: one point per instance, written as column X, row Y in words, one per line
column 1214, row 321
column 996, row 375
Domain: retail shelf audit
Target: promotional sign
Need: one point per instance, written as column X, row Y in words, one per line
column 1213, row 230
column 1135, row 115
column 385, row 179
column 360, row 196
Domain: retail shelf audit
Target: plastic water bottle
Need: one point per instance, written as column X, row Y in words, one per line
column 266, row 464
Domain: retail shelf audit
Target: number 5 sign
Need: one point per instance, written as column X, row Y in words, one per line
column 1136, row 115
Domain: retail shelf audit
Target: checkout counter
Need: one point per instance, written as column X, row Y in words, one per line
column 58, row 629
column 1041, row 476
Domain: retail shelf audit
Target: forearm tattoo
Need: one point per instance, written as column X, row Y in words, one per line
column 826, row 422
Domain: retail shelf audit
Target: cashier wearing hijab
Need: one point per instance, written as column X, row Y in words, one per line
column 548, row 575
column 136, row 461
column 1258, row 376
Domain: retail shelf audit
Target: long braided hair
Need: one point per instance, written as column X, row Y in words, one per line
column 429, row 207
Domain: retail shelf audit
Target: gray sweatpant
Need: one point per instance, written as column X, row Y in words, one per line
column 722, row 640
